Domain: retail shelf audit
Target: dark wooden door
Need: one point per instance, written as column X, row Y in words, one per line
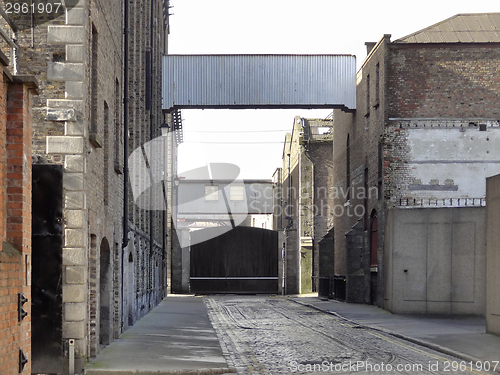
column 243, row 260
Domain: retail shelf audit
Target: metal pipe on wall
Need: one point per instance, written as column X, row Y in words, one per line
column 125, row 239
column 149, row 80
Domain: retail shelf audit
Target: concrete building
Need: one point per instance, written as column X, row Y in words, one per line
column 16, row 99
column 492, row 255
column 411, row 164
column 100, row 262
column 304, row 187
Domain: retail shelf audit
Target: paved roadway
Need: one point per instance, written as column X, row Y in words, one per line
column 273, row 335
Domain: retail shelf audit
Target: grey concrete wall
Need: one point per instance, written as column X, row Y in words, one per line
column 493, row 255
column 435, row 261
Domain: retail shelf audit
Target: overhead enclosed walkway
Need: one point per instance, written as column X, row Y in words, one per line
column 259, row 81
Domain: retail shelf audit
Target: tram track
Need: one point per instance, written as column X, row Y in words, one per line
column 271, row 335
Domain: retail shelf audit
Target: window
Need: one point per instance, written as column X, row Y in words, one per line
column 365, row 203
column 95, row 80
column 236, row 192
column 348, row 168
column 367, row 96
column 374, row 240
column 106, row 153
column 377, row 86
column 211, row 192
column 118, row 131
column 380, row 169
column 94, row 86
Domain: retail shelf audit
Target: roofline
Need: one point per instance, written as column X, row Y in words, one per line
column 228, row 181
column 399, row 40
column 375, row 47
column 435, row 44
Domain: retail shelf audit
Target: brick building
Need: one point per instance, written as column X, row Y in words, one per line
column 303, row 209
column 411, row 163
column 15, row 219
column 100, row 261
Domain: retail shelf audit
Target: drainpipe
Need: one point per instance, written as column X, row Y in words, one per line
column 149, row 95
column 125, row 147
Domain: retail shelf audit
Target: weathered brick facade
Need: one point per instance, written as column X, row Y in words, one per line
column 425, row 134
column 15, row 219
column 305, row 197
column 78, row 118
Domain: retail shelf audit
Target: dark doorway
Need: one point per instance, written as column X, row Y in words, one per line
column 105, row 291
column 243, row 260
column 326, row 269
column 46, row 306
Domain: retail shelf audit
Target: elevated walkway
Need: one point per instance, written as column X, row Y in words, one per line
column 259, row 81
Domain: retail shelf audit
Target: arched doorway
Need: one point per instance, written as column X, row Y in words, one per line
column 105, row 292
column 373, row 256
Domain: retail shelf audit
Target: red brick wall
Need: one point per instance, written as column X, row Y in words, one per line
column 3, row 103
column 15, row 220
column 459, row 81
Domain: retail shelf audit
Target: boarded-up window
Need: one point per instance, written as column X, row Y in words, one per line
column 211, row 192
column 237, row 192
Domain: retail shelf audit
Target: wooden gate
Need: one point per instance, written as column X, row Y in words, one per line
column 243, row 260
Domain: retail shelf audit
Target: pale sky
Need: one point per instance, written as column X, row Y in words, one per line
column 253, row 139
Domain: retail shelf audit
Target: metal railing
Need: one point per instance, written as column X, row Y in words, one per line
column 441, row 202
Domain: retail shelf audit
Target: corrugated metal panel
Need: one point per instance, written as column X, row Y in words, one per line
column 259, row 81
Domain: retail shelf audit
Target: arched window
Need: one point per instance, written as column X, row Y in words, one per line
column 373, row 239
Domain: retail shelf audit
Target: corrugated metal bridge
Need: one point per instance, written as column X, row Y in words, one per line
column 233, row 259
column 259, row 81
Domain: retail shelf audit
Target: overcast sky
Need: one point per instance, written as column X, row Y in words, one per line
column 253, row 139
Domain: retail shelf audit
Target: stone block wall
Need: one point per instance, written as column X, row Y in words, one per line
column 78, row 59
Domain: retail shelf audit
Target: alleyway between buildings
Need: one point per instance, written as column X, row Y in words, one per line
column 284, row 335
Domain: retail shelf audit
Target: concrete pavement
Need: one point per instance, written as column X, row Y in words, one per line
column 462, row 336
column 176, row 337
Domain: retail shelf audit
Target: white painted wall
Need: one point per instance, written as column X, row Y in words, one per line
column 467, row 157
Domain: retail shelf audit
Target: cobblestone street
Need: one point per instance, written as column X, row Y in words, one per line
column 271, row 335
